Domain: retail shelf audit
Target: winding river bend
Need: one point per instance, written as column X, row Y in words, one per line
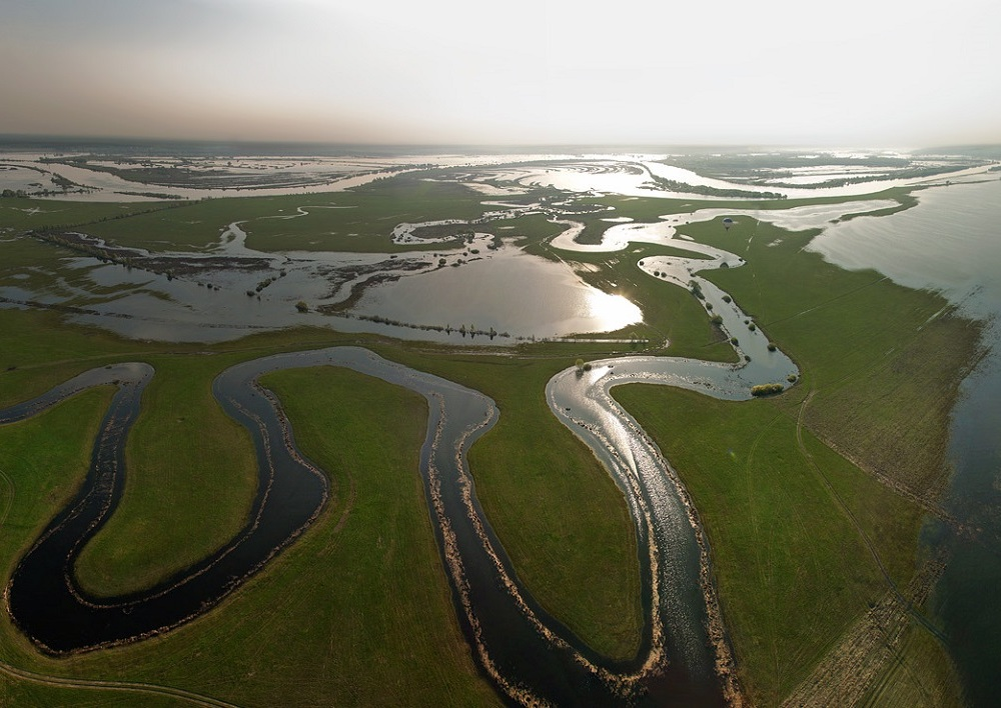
column 528, row 654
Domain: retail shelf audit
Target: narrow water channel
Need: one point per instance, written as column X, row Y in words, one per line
column 528, row 654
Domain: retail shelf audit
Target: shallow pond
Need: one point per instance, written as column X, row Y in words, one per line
column 506, row 289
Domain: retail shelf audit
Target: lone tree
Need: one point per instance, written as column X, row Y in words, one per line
column 301, row 306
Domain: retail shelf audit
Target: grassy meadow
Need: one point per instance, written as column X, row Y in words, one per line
column 812, row 501
column 183, row 500
column 357, row 612
column 360, row 220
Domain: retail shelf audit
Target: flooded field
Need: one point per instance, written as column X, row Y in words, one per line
column 507, row 263
column 951, row 242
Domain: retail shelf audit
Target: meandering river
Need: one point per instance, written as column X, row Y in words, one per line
column 528, row 654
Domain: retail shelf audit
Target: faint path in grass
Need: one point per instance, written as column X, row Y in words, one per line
column 148, row 689
column 870, row 651
column 827, row 302
column 12, row 491
column 863, row 536
column 872, row 646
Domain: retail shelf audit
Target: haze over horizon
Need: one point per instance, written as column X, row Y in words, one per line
column 553, row 72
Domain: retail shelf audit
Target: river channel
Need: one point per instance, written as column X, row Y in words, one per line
column 528, row 654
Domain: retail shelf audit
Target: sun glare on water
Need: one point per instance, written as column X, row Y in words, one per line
column 612, row 311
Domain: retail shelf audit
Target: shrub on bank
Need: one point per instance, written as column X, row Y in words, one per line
column 767, row 389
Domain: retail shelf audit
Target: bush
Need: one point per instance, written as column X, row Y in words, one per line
column 767, row 389
column 302, row 306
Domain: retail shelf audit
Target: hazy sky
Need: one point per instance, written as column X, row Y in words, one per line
column 858, row 72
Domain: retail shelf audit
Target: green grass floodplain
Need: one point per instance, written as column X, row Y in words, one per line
column 357, row 612
column 787, row 520
column 776, row 526
column 164, row 498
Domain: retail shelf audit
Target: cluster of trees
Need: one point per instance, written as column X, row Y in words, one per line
column 767, row 389
column 464, row 330
column 265, row 283
column 910, row 173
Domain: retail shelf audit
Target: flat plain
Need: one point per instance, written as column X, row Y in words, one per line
column 812, row 501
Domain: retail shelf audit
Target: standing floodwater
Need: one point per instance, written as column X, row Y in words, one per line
column 951, row 242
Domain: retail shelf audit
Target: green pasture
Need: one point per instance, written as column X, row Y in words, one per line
column 356, row 613
column 883, row 361
column 809, row 499
column 558, row 513
column 20, row 214
column 803, row 540
column 792, row 571
column 357, row 220
column 182, row 500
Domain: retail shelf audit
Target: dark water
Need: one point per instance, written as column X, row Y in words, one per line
column 528, row 654
column 968, row 596
column 951, row 242
column 45, row 600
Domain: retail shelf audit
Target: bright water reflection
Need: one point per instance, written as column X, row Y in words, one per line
column 508, row 290
column 951, row 241
column 665, row 232
column 683, row 614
